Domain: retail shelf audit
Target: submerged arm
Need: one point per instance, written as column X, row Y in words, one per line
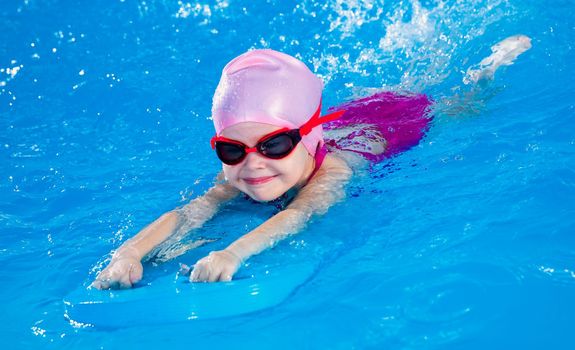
column 192, row 215
column 125, row 268
column 323, row 190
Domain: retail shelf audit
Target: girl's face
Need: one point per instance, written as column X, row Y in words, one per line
column 261, row 178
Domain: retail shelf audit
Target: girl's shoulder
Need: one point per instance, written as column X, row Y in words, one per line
column 340, row 162
column 335, row 164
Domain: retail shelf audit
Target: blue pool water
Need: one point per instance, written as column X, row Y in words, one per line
column 465, row 241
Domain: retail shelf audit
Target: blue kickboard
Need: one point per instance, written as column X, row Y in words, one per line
column 169, row 299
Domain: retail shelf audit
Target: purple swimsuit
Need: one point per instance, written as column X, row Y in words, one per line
column 386, row 118
column 396, row 121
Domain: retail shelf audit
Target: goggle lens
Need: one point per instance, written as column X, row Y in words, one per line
column 230, row 153
column 277, row 147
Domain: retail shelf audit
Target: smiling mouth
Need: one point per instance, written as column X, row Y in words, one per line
column 258, row 180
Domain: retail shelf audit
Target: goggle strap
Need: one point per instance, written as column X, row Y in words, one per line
column 305, row 129
column 317, row 120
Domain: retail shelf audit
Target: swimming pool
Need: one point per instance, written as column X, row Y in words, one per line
column 465, row 241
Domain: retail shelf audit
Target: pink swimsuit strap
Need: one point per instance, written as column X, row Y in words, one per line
column 319, row 158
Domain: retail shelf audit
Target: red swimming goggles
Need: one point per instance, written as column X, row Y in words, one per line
column 276, row 145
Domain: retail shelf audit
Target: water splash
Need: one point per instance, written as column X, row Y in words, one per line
column 418, row 46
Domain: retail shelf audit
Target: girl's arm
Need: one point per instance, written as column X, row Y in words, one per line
column 126, row 268
column 323, row 190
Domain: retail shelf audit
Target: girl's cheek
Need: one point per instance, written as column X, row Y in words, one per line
column 228, row 172
column 228, row 176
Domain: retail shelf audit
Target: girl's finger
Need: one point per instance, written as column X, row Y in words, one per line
column 195, row 274
column 214, row 276
column 135, row 275
column 124, row 282
column 200, row 273
column 226, row 276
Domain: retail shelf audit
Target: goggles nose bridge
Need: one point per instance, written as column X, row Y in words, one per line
column 249, row 150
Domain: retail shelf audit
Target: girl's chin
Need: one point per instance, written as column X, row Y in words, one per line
column 262, row 198
column 262, row 195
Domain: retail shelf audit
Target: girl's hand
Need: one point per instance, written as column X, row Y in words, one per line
column 219, row 265
column 123, row 272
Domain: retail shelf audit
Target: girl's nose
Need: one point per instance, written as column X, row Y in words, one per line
column 255, row 160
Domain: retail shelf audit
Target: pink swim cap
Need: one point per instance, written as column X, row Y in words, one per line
column 267, row 86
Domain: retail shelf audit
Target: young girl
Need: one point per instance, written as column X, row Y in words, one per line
column 266, row 113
